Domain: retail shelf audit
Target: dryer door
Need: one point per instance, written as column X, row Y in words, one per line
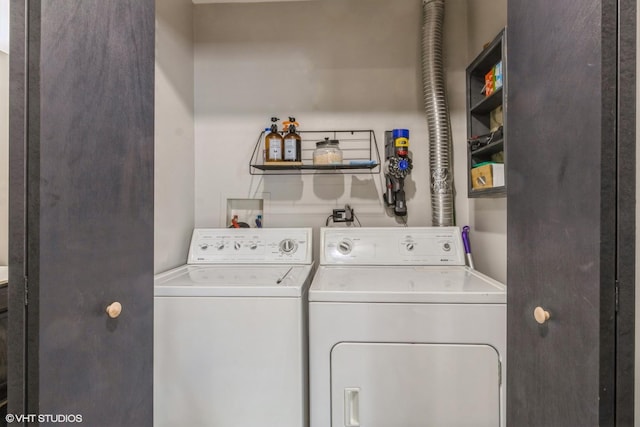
column 414, row 385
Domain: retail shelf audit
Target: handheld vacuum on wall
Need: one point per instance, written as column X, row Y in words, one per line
column 397, row 166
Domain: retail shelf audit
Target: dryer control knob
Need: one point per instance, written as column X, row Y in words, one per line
column 288, row 246
column 345, row 247
column 220, row 246
column 446, row 247
column 237, row 245
column 253, row 246
column 204, row 246
column 410, row 246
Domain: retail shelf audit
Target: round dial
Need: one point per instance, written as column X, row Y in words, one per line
column 220, row 246
column 237, row 245
column 253, row 246
column 288, row 246
column 204, row 246
column 345, row 247
column 410, row 246
column 446, row 247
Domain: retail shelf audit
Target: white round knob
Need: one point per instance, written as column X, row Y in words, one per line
column 345, row 246
column 541, row 315
column 287, row 246
column 114, row 309
column 237, row 245
column 410, row 246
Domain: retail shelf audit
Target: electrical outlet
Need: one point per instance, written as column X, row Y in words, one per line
column 339, row 215
column 343, row 215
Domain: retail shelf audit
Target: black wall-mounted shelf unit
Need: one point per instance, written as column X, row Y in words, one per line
column 479, row 112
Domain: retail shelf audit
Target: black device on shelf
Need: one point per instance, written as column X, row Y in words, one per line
column 486, row 112
column 478, row 142
column 359, row 150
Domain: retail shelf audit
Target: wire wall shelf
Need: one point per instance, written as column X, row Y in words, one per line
column 359, row 148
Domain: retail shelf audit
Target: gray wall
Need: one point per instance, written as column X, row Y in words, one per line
column 487, row 217
column 174, row 143
column 346, row 66
column 339, row 65
column 223, row 70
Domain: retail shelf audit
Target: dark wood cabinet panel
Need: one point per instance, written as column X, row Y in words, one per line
column 566, row 214
column 85, row 167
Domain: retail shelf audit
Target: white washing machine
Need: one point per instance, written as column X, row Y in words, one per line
column 402, row 333
column 230, row 333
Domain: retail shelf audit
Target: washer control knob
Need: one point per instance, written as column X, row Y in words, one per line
column 220, row 246
column 446, row 247
column 410, row 246
column 253, row 246
column 345, row 247
column 204, row 246
column 237, row 245
column 287, row 246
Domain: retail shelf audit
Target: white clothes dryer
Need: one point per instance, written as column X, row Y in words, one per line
column 230, row 333
column 402, row 333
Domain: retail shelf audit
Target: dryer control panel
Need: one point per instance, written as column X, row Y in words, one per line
column 392, row 246
column 250, row 246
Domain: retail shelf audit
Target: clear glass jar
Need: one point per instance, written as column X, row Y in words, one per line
column 327, row 152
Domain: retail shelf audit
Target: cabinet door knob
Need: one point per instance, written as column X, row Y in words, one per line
column 114, row 309
column 541, row 315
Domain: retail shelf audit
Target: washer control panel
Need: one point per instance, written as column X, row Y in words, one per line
column 250, row 246
column 392, row 246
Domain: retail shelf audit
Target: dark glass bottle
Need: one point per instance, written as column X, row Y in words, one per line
column 273, row 143
column 292, row 149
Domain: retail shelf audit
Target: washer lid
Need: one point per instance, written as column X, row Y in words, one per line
column 233, row 281
column 405, row 284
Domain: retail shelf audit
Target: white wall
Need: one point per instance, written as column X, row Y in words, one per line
column 4, row 26
column 4, row 159
column 174, row 141
column 334, row 65
column 487, row 217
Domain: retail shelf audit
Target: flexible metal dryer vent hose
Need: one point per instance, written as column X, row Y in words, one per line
column 438, row 120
